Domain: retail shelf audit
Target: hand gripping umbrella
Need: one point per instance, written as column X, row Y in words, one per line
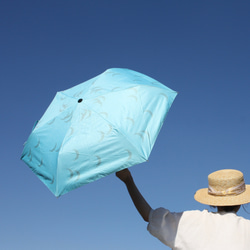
column 98, row 127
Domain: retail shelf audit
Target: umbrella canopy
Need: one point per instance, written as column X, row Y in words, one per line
column 98, row 127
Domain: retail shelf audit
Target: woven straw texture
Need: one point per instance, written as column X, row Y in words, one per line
column 226, row 188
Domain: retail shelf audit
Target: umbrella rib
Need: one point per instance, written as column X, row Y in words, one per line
column 118, row 130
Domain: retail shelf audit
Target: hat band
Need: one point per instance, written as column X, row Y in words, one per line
column 230, row 191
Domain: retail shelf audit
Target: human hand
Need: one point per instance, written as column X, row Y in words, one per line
column 124, row 175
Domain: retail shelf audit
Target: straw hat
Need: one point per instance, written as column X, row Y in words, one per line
column 225, row 188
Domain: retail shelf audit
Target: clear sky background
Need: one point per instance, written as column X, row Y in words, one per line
column 198, row 48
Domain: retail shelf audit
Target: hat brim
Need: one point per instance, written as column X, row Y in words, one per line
column 204, row 197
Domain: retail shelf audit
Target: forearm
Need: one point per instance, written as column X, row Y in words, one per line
column 140, row 203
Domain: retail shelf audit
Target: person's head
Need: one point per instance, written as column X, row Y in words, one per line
column 227, row 209
column 226, row 190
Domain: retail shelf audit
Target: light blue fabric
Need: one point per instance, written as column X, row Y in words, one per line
column 98, row 127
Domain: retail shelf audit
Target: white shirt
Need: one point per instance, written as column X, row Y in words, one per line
column 200, row 230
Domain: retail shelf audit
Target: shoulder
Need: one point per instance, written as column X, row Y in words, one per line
column 212, row 219
column 162, row 213
column 197, row 213
column 163, row 224
column 205, row 214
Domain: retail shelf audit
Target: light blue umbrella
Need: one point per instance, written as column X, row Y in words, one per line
column 98, row 127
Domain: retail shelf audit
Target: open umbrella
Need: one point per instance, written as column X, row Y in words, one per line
column 98, row 127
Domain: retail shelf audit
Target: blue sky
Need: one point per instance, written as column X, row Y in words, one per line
column 198, row 48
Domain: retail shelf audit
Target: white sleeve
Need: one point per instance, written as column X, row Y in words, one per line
column 163, row 225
